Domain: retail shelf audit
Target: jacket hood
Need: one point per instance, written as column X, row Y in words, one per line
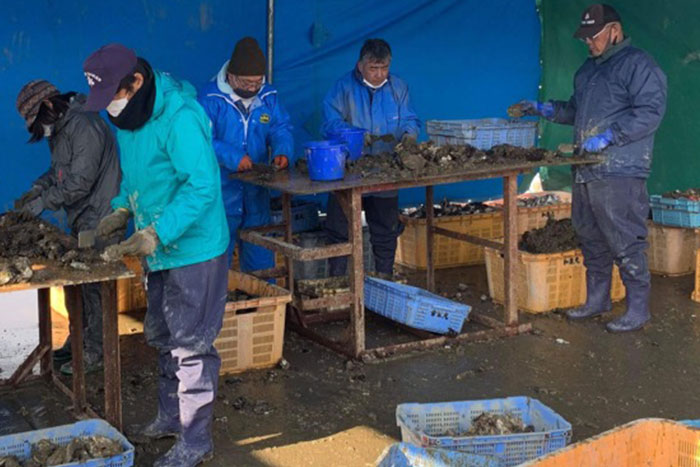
column 75, row 106
column 170, row 94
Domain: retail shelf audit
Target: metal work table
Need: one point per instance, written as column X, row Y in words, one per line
column 71, row 279
column 349, row 193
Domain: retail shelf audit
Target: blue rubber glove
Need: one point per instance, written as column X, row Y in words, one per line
column 598, row 142
column 531, row 108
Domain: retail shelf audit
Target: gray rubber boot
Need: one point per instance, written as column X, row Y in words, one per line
column 597, row 297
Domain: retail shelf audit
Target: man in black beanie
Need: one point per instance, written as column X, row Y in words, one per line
column 247, row 119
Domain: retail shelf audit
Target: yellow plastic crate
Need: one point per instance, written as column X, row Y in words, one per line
column 645, row 442
column 696, row 293
column 447, row 252
column 546, row 282
column 536, row 217
column 668, row 249
column 252, row 334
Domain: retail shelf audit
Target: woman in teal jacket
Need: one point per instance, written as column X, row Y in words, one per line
column 171, row 186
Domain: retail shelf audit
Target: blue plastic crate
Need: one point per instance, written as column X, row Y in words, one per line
column 414, row 307
column 675, row 212
column 483, row 133
column 20, row 444
column 408, row 455
column 691, row 423
column 426, row 424
column 304, row 217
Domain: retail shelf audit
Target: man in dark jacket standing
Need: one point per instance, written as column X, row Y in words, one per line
column 618, row 103
column 83, row 178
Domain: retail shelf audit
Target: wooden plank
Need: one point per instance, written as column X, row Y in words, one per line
column 57, row 275
column 45, row 334
column 112, row 358
column 296, row 252
column 309, row 304
column 510, row 252
column 468, row 238
column 25, row 368
column 357, row 275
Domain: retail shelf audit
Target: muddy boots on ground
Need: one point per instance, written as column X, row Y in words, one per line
column 597, row 297
column 637, row 279
column 166, row 424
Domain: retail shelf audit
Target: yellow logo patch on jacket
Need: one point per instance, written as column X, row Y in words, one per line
column 265, row 118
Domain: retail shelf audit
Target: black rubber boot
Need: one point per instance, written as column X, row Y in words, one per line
column 158, row 428
column 597, row 297
column 637, row 314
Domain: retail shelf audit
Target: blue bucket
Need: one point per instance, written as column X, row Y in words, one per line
column 326, row 160
column 354, row 138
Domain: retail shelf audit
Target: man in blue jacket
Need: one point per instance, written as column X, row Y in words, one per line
column 618, row 103
column 247, row 119
column 370, row 97
column 170, row 185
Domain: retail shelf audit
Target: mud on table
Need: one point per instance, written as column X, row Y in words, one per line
column 349, row 193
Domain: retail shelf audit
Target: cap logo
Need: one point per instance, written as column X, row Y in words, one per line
column 92, row 78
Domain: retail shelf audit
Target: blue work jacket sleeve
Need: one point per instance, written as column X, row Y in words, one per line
column 410, row 123
column 188, row 146
column 280, row 136
column 647, row 90
column 564, row 111
column 332, row 107
column 122, row 199
column 228, row 155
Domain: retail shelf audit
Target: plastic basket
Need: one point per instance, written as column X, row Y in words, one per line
column 408, row 455
column 447, row 252
column 304, row 217
column 695, row 296
column 546, row 282
column 535, row 217
column 483, row 133
column 414, row 307
column 423, row 425
column 645, row 442
column 675, row 212
column 19, row 445
column 252, row 334
column 668, row 249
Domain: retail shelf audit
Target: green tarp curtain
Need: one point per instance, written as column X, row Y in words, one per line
column 667, row 29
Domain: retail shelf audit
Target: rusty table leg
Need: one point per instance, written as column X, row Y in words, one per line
column 112, row 358
column 429, row 236
column 356, row 275
column 74, row 304
column 45, row 337
column 510, row 251
column 289, row 263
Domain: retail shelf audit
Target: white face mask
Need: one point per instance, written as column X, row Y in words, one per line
column 117, row 106
column 372, row 85
column 48, row 129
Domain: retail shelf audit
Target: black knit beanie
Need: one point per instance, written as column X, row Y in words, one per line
column 247, row 59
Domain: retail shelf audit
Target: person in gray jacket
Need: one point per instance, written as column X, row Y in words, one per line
column 83, row 178
column 618, row 103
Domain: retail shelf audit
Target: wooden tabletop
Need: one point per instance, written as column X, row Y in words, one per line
column 296, row 183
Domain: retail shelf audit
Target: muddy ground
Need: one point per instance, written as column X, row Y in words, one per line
column 326, row 411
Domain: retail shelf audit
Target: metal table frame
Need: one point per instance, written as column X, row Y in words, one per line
column 43, row 352
column 349, row 194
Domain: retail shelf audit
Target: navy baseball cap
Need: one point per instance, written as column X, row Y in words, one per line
column 594, row 19
column 104, row 70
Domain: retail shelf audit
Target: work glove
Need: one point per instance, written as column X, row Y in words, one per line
column 598, row 142
column 408, row 138
column 34, row 192
column 245, row 164
column 32, row 209
column 531, row 108
column 113, row 222
column 142, row 243
column 281, row 161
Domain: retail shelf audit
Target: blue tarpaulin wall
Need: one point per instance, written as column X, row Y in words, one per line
column 461, row 58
